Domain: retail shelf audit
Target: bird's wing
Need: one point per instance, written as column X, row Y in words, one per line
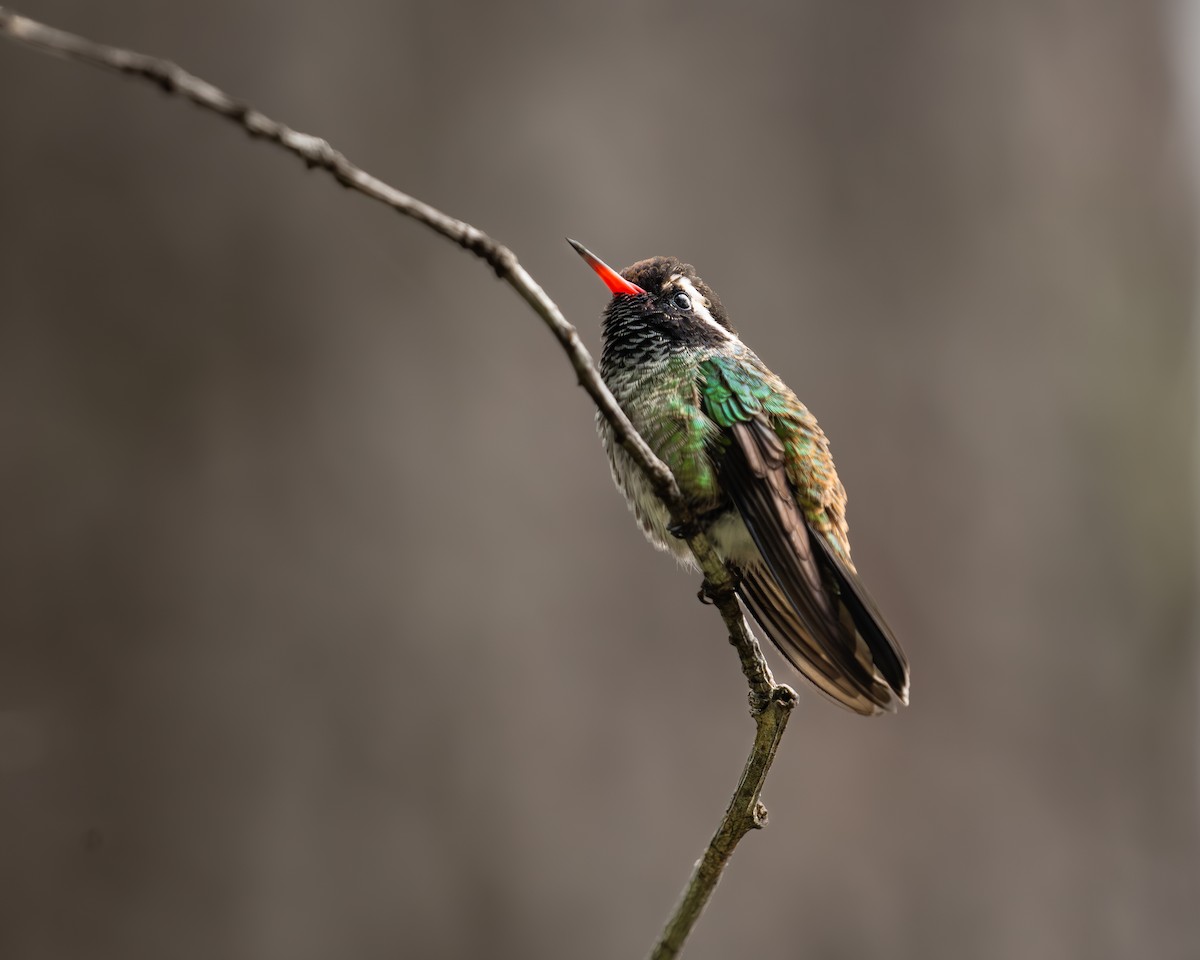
column 806, row 598
column 775, row 614
column 883, row 653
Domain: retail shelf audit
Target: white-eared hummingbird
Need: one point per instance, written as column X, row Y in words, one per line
column 756, row 471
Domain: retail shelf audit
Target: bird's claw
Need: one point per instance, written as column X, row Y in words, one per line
column 683, row 531
column 709, row 594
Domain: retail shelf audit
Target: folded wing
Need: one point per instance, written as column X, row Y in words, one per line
column 805, row 597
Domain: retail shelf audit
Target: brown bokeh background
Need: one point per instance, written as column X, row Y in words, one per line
column 322, row 631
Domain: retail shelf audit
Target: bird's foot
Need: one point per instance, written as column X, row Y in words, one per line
column 698, row 524
column 708, row 594
column 683, row 531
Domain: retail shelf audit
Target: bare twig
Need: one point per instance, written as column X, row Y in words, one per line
column 745, row 813
column 771, row 704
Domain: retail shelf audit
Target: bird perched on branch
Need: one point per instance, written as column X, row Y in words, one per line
column 755, row 469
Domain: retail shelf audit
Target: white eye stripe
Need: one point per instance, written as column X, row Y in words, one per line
column 679, row 282
column 699, row 304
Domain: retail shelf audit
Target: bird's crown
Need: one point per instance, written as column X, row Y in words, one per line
column 658, row 276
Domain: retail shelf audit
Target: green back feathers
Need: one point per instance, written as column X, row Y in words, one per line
column 732, row 392
column 739, row 389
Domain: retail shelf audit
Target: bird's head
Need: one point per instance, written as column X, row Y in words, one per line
column 660, row 299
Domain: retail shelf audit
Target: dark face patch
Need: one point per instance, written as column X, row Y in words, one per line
column 670, row 318
column 651, row 275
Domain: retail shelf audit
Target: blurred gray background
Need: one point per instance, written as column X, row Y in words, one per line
column 322, row 630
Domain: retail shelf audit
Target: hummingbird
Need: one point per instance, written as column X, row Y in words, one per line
column 754, row 467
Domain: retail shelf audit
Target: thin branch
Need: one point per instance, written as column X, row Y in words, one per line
column 770, row 703
column 745, row 813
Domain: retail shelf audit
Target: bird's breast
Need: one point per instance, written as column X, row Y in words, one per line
column 662, row 402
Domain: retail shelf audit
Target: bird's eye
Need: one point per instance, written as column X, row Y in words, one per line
column 682, row 301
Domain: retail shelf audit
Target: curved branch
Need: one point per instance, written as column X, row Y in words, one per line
column 770, row 703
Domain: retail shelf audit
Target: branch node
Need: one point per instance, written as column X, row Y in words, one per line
column 497, row 256
column 239, row 111
column 758, row 816
column 158, row 72
column 758, row 702
column 785, row 696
